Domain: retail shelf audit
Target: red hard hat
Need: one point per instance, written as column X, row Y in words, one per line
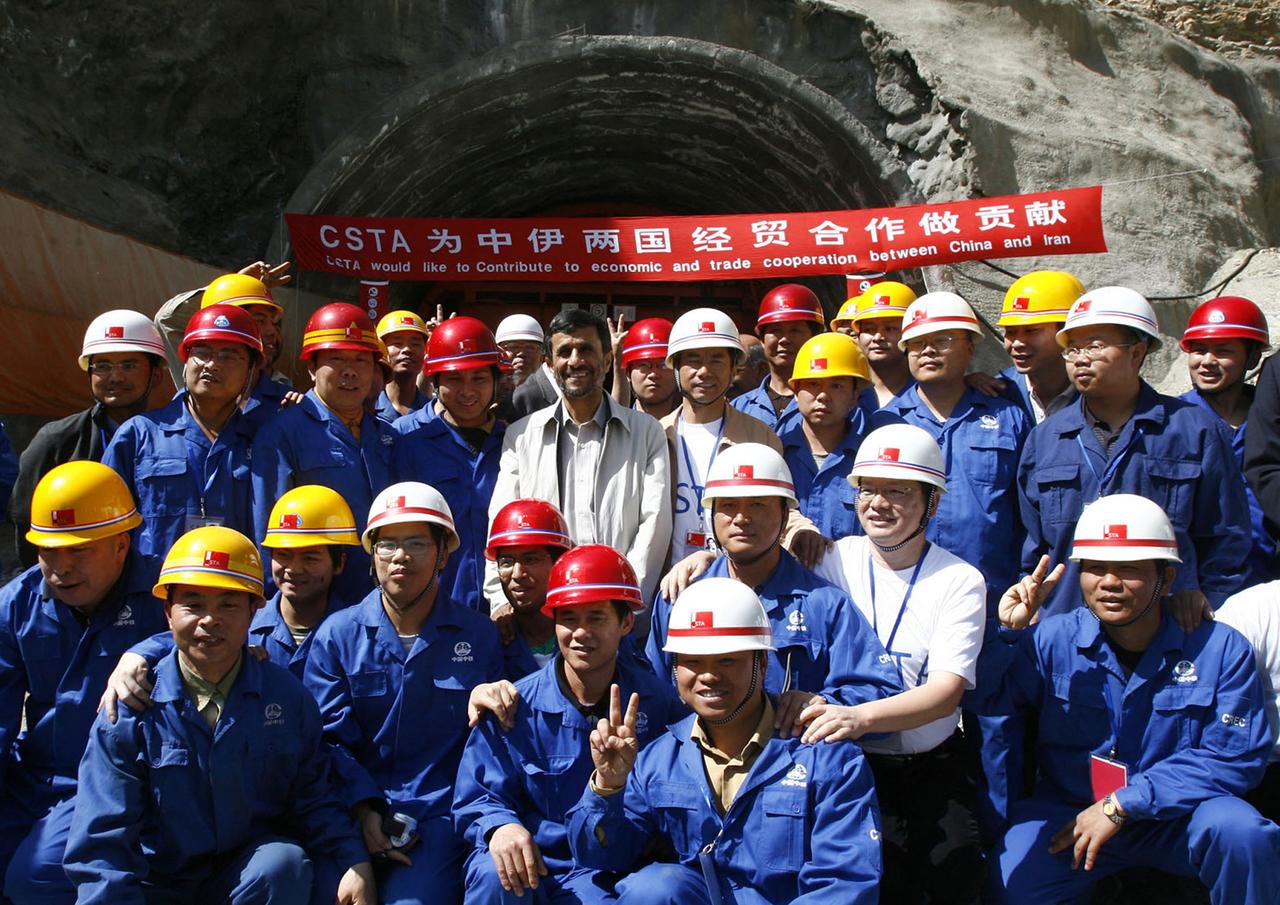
column 462, row 344
column 1226, row 317
column 591, row 573
column 790, row 302
column 221, row 323
column 646, row 341
column 340, row 326
column 528, row 523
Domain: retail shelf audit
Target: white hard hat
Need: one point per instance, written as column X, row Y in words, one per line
column 1112, row 305
column 703, row 328
column 717, row 616
column 406, row 503
column 937, row 311
column 901, row 451
column 1124, row 527
column 120, row 331
column 747, row 470
column 518, row 327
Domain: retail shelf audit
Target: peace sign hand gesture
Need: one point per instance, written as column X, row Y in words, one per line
column 614, row 744
column 1020, row 605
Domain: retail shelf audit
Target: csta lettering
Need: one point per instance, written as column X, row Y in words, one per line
column 355, row 238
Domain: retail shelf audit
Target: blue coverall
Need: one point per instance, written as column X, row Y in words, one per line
column 170, row 811
column 824, row 644
column 533, row 773
column 1171, row 452
column 53, row 669
column 397, row 724
column 826, row 497
column 804, row 827
column 179, row 478
column 264, row 401
column 429, row 450
column 387, row 411
column 8, row 469
column 1189, row 723
column 757, row 404
column 309, row 444
column 1260, row 565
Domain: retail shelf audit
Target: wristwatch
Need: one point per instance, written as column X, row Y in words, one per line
column 1112, row 810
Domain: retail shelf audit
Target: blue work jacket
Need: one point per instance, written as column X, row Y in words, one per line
column 264, row 402
column 269, row 632
column 1260, row 564
column 162, row 797
column 8, row 469
column 826, row 497
column 397, row 723
column 1190, row 718
column 176, row 474
column 977, row 517
column 52, row 672
column 309, row 444
column 430, row 450
column 824, row 645
column 1171, row 452
column 387, row 411
column 756, row 404
column 1017, row 390
column 804, row 828
column 533, row 773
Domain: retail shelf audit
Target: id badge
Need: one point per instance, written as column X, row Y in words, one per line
column 202, row 521
column 1107, row 775
column 695, row 539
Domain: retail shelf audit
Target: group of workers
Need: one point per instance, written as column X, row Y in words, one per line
column 803, row 615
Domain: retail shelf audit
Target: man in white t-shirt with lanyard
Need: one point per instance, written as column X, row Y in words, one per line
column 704, row 349
column 928, row 608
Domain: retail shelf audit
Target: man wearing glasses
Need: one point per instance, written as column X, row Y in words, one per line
column 392, row 676
column 1124, row 437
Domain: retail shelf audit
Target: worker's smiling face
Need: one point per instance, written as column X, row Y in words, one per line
column 210, row 626
column 714, row 685
column 589, row 635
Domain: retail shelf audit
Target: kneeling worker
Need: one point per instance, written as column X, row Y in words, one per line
column 221, row 791
column 751, row 816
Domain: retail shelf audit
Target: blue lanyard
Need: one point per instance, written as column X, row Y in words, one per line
column 688, row 460
column 902, row 610
column 1114, row 464
column 1113, row 714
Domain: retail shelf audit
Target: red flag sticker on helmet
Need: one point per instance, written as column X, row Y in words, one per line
column 745, row 472
column 883, row 301
column 522, row 520
column 61, row 518
column 216, row 559
column 1115, row 532
column 290, row 520
column 406, row 319
column 353, row 331
column 819, row 364
column 888, row 454
column 466, row 345
column 707, row 327
column 114, row 333
column 1021, row 303
column 919, row 316
column 704, row 619
column 1083, row 304
column 395, row 502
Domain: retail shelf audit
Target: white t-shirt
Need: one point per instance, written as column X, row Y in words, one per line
column 941, row 629
column 695, row 445
column 1255, row 613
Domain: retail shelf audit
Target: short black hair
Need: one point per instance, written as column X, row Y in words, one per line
column 570, row 320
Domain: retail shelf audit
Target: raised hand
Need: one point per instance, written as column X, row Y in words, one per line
column 1020, row 605
column 613, row 742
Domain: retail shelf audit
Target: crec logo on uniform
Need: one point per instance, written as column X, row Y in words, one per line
column 745, row 472
column 114, row 333
column 1115, row 532
column 703, row 620
column 291, row 520
column 273, row 711
column 462, row 649
column 222, row 321
column 61, row 518
column 888, row 454
column 1021, row 303
column 216, row 559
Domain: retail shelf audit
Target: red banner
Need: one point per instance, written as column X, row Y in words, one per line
column 705, row 247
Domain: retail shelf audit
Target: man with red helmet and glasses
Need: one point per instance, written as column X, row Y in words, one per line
column 649, row 381
column 518, row 779
column 455, row 444
column 1224, row 342
column 187, row 464
column 789, row 316
column 329, row 437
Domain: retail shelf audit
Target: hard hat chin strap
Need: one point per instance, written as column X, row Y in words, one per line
column 757, row 661
column 924, row 523
column 435, row 574
column 1155, row 595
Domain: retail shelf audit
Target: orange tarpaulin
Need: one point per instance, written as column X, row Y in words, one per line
column 56, row 274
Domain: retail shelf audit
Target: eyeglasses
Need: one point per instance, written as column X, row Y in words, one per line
column 413, row 547
column 228, row 355
column 897, row 494
column 651, row 364
column 527, row 562
column 106, row 368
column 941, row 342
column 1095, row 351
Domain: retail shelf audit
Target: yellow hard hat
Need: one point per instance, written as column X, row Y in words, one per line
column 1039, row 297
column 830, row 355
column 241, row 290
column 399, row 322
column 887, row 299
column 845, row 314
column 79, row 502
column 212, row 557
column 309, row 516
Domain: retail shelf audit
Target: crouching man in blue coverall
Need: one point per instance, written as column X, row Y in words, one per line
column 221, row 791
column 392, row 675
column 525, row 764
column 750, row 816
column 1147, row 735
